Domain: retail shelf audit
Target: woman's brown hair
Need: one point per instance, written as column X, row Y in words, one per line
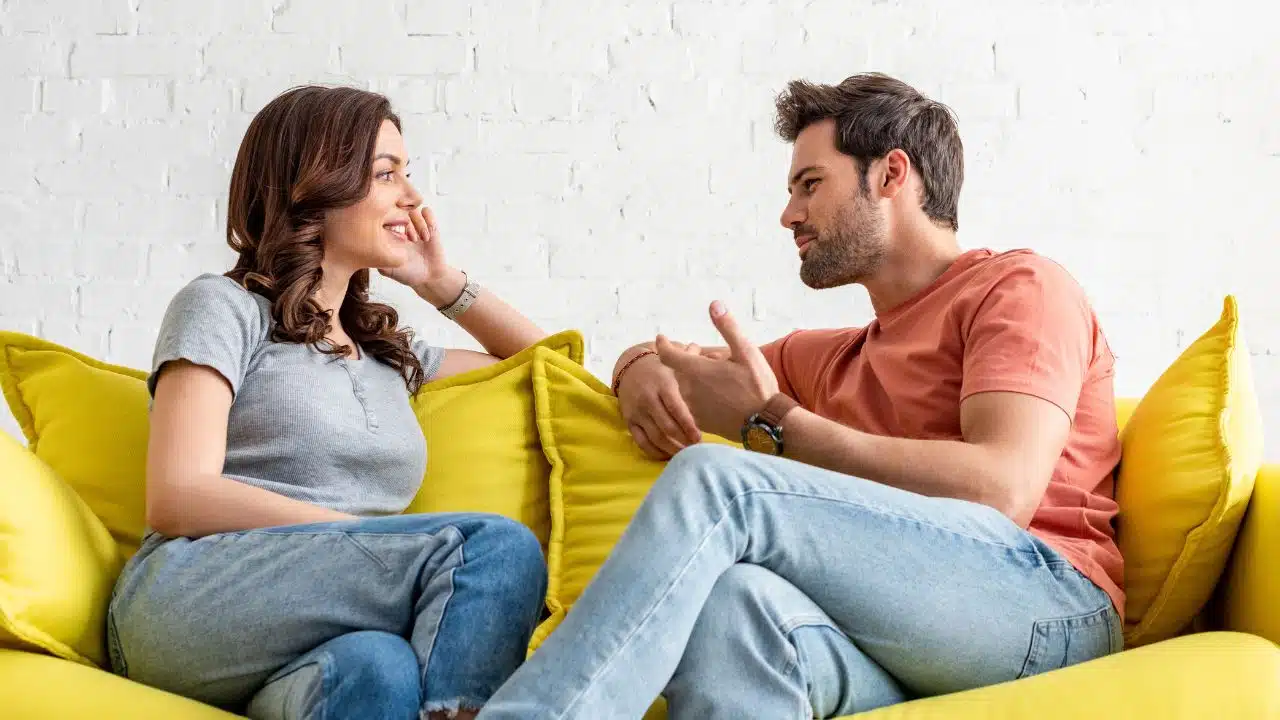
column 308, row 151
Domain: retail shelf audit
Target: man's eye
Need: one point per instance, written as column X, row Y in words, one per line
column 810, row 184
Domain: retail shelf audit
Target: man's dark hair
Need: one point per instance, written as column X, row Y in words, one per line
column 874, row 114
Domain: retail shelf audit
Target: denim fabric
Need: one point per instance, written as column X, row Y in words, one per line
column 369, row 673
column 754, row 586
column 217, row 617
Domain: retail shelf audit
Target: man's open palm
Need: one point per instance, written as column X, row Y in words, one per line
column 721, row 393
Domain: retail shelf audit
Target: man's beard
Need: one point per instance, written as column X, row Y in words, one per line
column 851, row 249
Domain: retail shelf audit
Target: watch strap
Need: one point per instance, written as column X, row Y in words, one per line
column 469, row 293
column 776, row 408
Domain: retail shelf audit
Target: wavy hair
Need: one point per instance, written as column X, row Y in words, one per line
column 308, row 151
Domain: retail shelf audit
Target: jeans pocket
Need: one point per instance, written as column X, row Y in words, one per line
column 1061, row 642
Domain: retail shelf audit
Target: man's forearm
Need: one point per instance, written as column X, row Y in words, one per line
column 940, row 468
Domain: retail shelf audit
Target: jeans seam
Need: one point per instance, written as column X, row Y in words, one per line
column 326, row 677
column 788, row 629
column 435, row 633
column 369, row 553
column 643, row 621
column 113, row 636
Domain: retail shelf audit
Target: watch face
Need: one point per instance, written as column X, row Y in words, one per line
column 759, row 439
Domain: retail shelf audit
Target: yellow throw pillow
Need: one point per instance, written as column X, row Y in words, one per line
column 598, row 477
column 88, row 420
column 57, row 563
column 1190, row 452
column 483, row 451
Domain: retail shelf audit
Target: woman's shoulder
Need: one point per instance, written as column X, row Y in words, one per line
column 217, row 292
column 210, row 298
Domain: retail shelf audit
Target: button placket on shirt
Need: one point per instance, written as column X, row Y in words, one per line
column 358, row 389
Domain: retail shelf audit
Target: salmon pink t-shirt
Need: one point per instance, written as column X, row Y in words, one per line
column 1010, row 321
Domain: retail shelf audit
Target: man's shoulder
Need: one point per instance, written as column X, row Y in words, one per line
column 1027, row 269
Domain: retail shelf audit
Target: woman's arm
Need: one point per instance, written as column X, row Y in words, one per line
column 499, row 328
column 186, row 492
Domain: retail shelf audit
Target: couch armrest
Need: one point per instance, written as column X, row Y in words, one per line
column 1251, row 597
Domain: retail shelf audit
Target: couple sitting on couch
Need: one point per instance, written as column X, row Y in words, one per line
column 924, row 505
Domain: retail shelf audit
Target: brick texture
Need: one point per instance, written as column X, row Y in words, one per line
column 612, row 167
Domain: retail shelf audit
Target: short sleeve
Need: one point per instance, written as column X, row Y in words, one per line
column 1033, row 333
column 430, row 356
column 799, row 358
column 214, row 322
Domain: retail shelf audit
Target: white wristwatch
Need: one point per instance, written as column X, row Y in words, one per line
column 469, row 293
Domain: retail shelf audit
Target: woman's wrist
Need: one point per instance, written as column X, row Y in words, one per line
column 444, row 288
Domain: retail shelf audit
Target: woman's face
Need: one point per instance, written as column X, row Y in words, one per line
column 374, row 232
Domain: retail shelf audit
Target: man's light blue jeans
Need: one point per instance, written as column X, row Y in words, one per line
column 754, row 586
column 387, row 617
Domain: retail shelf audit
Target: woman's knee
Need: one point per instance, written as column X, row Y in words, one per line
column 347, row 675
column 374, row 656
column 514, row 547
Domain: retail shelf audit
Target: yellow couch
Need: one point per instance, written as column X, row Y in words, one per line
column 1204, row 618
column 1229, row 667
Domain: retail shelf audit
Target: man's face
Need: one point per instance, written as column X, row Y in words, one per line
column 839, row 228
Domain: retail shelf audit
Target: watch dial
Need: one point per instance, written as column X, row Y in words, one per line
column 759, row 440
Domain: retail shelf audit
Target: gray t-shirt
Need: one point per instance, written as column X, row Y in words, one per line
column 336, row 432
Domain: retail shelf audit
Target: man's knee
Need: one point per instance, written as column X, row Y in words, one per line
column 701, row 468
column 738, row 605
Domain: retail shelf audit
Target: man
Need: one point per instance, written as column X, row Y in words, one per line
column 925, row 503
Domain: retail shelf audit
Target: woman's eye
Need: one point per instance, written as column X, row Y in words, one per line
column 384, row 175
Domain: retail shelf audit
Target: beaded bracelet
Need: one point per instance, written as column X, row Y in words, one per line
column 627, row 366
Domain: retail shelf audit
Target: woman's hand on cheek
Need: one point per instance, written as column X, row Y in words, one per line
column 425, row 268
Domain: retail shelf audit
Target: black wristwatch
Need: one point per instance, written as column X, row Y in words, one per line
column 763, row 431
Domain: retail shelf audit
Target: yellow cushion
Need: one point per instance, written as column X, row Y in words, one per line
column 38, row 687
column 598, row 477
column 1124, row 410
column 57, row 562
column 483, row 453
column 1209, row 675
column 88, row 420
column 1190, row 452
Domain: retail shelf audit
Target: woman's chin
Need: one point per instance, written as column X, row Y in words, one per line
column 391, row 258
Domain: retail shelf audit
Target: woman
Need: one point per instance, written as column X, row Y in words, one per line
column 278, row 578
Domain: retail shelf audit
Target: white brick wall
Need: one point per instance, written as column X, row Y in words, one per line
column 611, row 166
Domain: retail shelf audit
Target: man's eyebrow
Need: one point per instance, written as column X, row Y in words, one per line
column 800, row 173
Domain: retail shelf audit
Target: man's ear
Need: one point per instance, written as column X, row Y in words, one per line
column 894, row 171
